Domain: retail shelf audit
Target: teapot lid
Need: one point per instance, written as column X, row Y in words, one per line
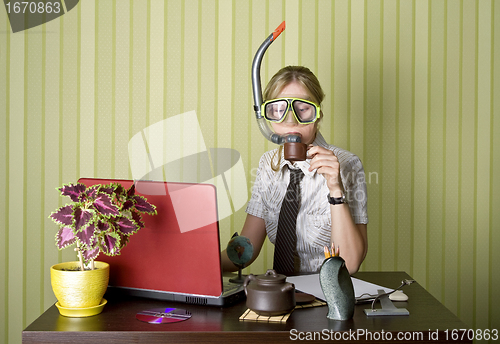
column 271, row 277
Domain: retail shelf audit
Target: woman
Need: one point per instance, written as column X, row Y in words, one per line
column 333, row 204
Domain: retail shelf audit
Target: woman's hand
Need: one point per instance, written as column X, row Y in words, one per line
column 326, row 164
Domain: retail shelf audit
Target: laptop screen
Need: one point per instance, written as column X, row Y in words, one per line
column 178, row 250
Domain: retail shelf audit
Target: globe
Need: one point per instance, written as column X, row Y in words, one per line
column 239, row 250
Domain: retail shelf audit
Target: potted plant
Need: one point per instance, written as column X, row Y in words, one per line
column 99, row 219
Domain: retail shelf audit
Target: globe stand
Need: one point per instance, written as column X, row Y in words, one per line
column 239, row 251
column 238, row 279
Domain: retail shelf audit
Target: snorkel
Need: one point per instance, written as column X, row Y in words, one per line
column 295, row 150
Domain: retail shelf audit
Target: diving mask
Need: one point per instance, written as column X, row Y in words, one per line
column 304, row 111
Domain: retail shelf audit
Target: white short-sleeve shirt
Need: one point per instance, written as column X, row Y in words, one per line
column 314, row 218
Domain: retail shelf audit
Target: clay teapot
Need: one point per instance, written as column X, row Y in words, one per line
column 269, row 294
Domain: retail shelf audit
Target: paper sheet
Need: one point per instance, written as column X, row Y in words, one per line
column 310, row 284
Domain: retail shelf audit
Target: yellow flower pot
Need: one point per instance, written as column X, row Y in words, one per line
column 79, row 289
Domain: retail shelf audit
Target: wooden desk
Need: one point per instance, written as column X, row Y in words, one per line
column 117, row 323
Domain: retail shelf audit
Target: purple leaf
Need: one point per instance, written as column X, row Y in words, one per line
column 126, row 226
column 123, row 241
column 138, row 219
column 102, row 226
column 119, row 190
column 127, row 205
column 108, row 189
column 65, row 237
column 91, row 192
column 89, row 254
column 144, row 206
column 131, row 190
column 63, row 215
column 82, row 218
column 85, row 236
column 110, row 243
column 73, row 191
column 105, row 206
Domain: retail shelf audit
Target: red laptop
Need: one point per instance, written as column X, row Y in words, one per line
column 176, row 256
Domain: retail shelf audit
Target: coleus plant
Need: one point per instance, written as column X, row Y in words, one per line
column 100, row 218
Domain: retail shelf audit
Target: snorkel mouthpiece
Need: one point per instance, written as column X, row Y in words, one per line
column 298, row 152
column 292, row 138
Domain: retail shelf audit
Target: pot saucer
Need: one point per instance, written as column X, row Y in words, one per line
column 303, row 298
column 81, row 312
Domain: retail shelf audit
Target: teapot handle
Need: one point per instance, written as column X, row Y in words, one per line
column 248, row 279
column 271, row 272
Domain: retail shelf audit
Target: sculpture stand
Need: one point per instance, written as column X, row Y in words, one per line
column 388, row 307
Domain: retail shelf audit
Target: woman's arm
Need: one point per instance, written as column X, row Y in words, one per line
column 255, row 230
column 351, row 238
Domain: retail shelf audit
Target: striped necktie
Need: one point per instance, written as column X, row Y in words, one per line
column 285, row 249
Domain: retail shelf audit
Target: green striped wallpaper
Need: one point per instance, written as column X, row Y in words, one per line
column 412, row 88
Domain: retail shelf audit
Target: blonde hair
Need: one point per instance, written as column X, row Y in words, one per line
column 284, row 77
column 289, row 74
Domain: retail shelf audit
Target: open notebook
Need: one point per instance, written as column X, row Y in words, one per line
column 363, row 291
